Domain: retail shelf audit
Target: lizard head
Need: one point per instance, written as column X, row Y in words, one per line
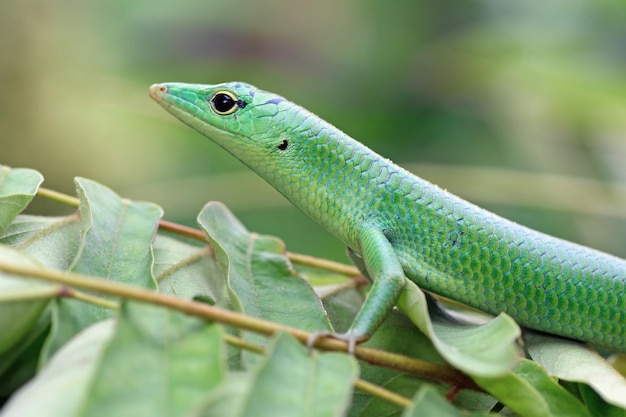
column 237, row 116
column 309, row 161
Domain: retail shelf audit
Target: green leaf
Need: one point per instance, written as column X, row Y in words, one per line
column 342, row 306
column 479, row 350
column 428, row 402
column 228, row 399
column 61, row 386
column 117, row 235
column 20, row 364
column 169, row 360
column 597, row 405
column 573, row 361
column 292, row 382
column 531, row 392
column 261, row 281
column 396, row 334
column 18, row 186
column 341, row 299
column 289, row 381
column 21, row 300
column 154, row 362
column 187, row 271
column 53, row 241
column 115, row 244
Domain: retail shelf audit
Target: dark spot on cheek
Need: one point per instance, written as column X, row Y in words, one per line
column 283, row 145
column 241, row 104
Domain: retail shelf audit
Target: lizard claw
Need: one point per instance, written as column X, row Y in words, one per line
column 350, row 338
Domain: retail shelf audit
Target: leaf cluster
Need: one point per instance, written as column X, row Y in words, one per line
column 111, row 311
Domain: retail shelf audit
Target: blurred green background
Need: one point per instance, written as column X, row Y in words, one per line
column 517, row 106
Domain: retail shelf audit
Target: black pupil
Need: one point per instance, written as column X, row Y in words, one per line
column 223, row 102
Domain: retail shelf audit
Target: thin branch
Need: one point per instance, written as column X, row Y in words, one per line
column 91, row 299
column 58, row 196
column 382, row 393
column 324, row 264
column 30, row 294
column 243, row 344
column 181, row 230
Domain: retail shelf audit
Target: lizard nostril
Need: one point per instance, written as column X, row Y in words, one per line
column 157, row 90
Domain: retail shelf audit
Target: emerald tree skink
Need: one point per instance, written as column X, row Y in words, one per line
column 403, row 226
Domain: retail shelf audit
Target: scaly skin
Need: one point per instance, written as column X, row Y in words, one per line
column 403, row 225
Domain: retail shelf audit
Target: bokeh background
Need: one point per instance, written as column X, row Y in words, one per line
column 517, row 106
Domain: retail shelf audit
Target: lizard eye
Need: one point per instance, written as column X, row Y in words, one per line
column 224, row 103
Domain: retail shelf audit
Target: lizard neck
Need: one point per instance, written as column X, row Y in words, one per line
column 333, row 179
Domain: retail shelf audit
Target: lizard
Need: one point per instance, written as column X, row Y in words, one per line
column 404, row 227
